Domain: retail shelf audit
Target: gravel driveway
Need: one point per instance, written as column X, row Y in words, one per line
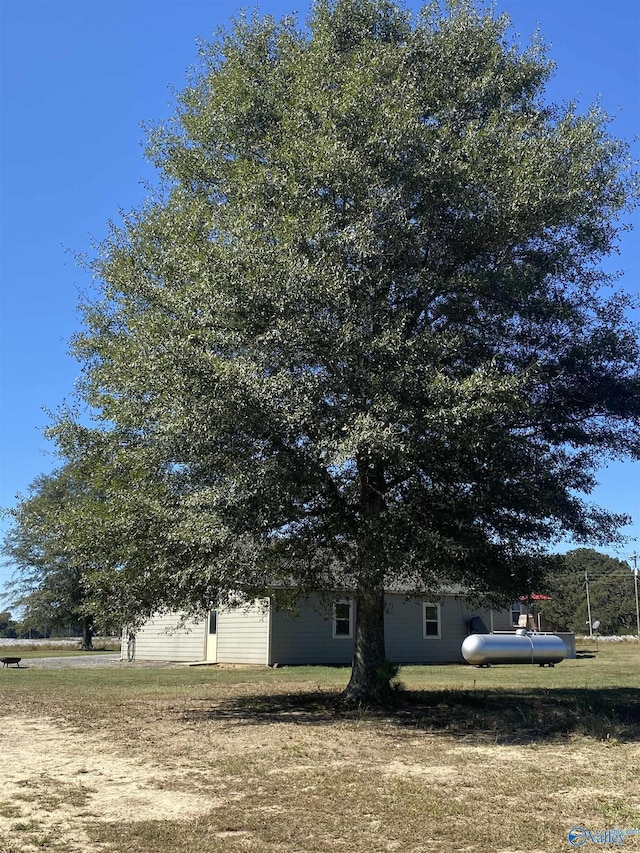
column 86, row 662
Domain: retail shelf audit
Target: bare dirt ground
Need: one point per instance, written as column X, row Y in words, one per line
column 58, row 780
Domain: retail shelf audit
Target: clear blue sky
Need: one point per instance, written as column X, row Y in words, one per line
column 77, row 79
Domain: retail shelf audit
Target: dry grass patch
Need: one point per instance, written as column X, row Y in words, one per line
column 255, row 760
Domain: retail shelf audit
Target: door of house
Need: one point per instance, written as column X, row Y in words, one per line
column 212, row 637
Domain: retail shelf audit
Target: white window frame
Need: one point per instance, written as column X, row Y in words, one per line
column 426, row 636
column 334, row 619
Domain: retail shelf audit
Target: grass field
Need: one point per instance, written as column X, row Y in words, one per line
column 152, row 760
column 59, row 648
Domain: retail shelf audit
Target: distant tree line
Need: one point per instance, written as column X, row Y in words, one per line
column 28, row 628
column 611, row 594
column 8, row 626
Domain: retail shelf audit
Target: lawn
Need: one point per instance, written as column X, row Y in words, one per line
column 152, row 760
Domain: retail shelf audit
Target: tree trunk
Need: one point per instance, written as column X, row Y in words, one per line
column 370, row 673
column 87, row 634
column 370, row 677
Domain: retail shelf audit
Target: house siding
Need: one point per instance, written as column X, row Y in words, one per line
column 306, row 638
column 260, row 633
column 243, row 634
column 404, row 638
column 161, row 639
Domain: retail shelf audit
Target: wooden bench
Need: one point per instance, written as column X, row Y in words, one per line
column 11, row 662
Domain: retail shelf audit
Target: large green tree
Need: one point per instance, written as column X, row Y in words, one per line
column 362, row 335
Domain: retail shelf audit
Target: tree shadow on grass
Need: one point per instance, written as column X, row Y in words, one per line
column 495, row 715
column 524, row 716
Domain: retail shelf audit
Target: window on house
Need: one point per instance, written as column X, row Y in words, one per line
column 213, row 621
column 431, row 621
column 343, row 619
column 516, row 609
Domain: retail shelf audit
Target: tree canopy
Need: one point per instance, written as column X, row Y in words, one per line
column 52, row 582
column 362, row 334
column 611, row 594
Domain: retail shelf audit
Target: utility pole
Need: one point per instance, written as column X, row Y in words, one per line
column 634, row 557
column 586, row 585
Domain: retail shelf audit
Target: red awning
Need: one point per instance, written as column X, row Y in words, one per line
column 535, row 596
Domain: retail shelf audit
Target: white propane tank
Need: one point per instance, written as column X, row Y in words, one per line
column 521, row 647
